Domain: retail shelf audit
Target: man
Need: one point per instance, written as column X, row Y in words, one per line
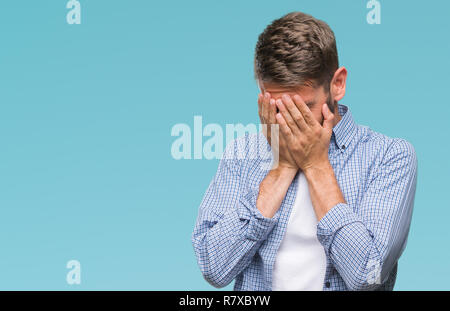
column 334, row 212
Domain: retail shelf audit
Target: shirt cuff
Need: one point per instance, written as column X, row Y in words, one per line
column 258, row 226
column 339, row 216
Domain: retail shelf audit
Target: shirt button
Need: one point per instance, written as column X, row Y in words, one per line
column 343, row 146
column 327, row 284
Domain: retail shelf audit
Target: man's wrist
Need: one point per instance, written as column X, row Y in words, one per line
column 317, row 169
column 284, row 170
column 273, row 188
column 324, row 188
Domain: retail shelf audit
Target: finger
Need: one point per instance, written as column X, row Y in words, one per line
column 265, row 105
column 328, row 117
column 287, row 117
column 260, row 108
column 295, row 112
column 273, row 111
column 260, row 97
column 306, row 112
column 284, row 128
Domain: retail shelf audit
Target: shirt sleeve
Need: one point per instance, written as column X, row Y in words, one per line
column 364, row 246
column 229, row 227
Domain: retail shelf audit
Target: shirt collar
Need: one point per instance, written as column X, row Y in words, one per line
column 345, row 129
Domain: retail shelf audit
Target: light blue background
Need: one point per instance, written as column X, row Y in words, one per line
column 86, row 111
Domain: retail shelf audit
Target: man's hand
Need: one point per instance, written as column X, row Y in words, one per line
column 308, row 143
column 267, row 111
column 307, row 140
column 273, row 188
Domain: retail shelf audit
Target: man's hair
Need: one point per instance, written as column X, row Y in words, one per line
column 296, row 49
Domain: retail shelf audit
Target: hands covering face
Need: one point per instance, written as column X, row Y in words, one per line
column 267, row 111
column 303, row 142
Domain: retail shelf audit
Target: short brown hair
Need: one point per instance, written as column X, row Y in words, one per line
column 295, row 50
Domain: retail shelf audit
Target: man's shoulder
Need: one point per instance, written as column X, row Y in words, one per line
column 250, row 156
column 382, row 145
column 250, row 147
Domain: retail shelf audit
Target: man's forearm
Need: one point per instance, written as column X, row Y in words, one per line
column 273, row 189
column 323, row 189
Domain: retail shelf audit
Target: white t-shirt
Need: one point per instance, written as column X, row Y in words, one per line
column 300, row 263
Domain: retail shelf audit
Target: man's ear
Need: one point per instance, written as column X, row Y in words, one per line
column 337, row 85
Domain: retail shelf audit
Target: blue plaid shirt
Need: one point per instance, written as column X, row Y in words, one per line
column 362, row 238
